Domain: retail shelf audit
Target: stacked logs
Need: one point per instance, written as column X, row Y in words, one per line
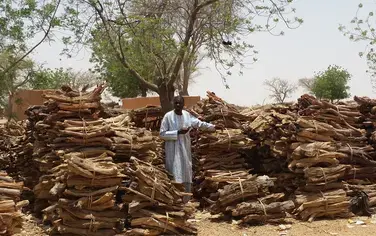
column 128, row 141
column 10, row 204
column 154, row 203
column 149, row 117
column 218, row 112
column 251, row 201
column 220, row 156
column 81, row 179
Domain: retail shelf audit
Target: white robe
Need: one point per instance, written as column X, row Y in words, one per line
column 178, row 147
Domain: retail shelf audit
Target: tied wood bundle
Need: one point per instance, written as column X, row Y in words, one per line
column 328, row 154
column 218, row 112
column 220, row 160
column 338, row 115
column 155, row 203
column 331, row 203
column 128, row 141
column 64, row 104
column 251, row 201
column 149, row 117
column 86, row 192
column 10, row 206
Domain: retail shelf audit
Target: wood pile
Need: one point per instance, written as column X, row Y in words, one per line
column 128, row 141
column 149, row 117
column 252, row 202
column 78, row 191
column 155, row 204
column 219, row 156
column 218, row 112
column 10, row 204
column 313, row 149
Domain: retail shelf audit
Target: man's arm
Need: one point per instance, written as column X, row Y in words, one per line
column 198, row 124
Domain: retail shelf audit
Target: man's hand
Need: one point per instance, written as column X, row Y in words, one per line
column 183, row 131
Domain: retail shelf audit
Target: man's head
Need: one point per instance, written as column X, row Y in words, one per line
column 178, row 104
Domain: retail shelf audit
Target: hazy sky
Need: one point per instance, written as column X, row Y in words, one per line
column 301, row 52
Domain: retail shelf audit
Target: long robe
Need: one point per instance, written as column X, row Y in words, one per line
column 178, row 146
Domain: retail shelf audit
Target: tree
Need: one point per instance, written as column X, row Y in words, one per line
column 280, row 89
column 332, row 84
column 307, row 83
column 22, row 21
column 167, row 33
column 46, row 78
column 363, row 29
column 16, row 78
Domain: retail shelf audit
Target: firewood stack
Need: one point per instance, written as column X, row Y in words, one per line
column 252, row 202
column 155, row 203
column 129, row 141
column 10, row 204
column 218, row 112
column 149, row 117
column 82, row 180
column 220, row 156
column 338, row 115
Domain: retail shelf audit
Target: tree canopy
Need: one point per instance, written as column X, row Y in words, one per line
column 161, row 35
column 332, row 84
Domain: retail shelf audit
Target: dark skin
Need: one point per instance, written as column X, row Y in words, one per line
column 178, row 108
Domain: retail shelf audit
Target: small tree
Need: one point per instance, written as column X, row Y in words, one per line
column 280, row 89
column 307, row 84
column 332, row 84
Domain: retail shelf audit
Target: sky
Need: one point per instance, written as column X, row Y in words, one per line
column 301, row 52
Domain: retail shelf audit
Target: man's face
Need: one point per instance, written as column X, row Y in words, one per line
column 178, row 104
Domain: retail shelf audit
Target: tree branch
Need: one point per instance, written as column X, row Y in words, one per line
column 122, row 59
column 36, row 45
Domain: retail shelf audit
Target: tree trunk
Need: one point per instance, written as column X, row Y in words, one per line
column 143, row 92
column 166, row 95
column 186, row 77
column 9, row 109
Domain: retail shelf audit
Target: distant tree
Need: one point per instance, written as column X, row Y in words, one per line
column 47, row 78
column 332, row 84
column 307, row 84
column 280, row 89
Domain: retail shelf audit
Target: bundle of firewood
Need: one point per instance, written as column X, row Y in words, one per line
column 251, row 201
column 218, row 112
column 149, row 117
column 10, row 204
column 128, row 141
column 154, row 202
column 77, row 193
column 220, row 155
column 87, row 190
column 338, row 115
column 331, row 203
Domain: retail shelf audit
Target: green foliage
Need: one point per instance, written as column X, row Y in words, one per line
column 151, row 38
column 362, row 28
column 332, row 84
column 49, row 78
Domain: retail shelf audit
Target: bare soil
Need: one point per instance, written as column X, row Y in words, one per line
column 211, row 226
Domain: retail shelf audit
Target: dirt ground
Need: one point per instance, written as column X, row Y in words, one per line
column 207, row 226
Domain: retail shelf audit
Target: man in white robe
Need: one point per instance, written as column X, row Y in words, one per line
column 175, row 131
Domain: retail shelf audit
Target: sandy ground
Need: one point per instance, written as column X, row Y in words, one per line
column 207, row 226
column 359, row 226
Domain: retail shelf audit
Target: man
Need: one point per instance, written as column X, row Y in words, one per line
column 174, row 130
